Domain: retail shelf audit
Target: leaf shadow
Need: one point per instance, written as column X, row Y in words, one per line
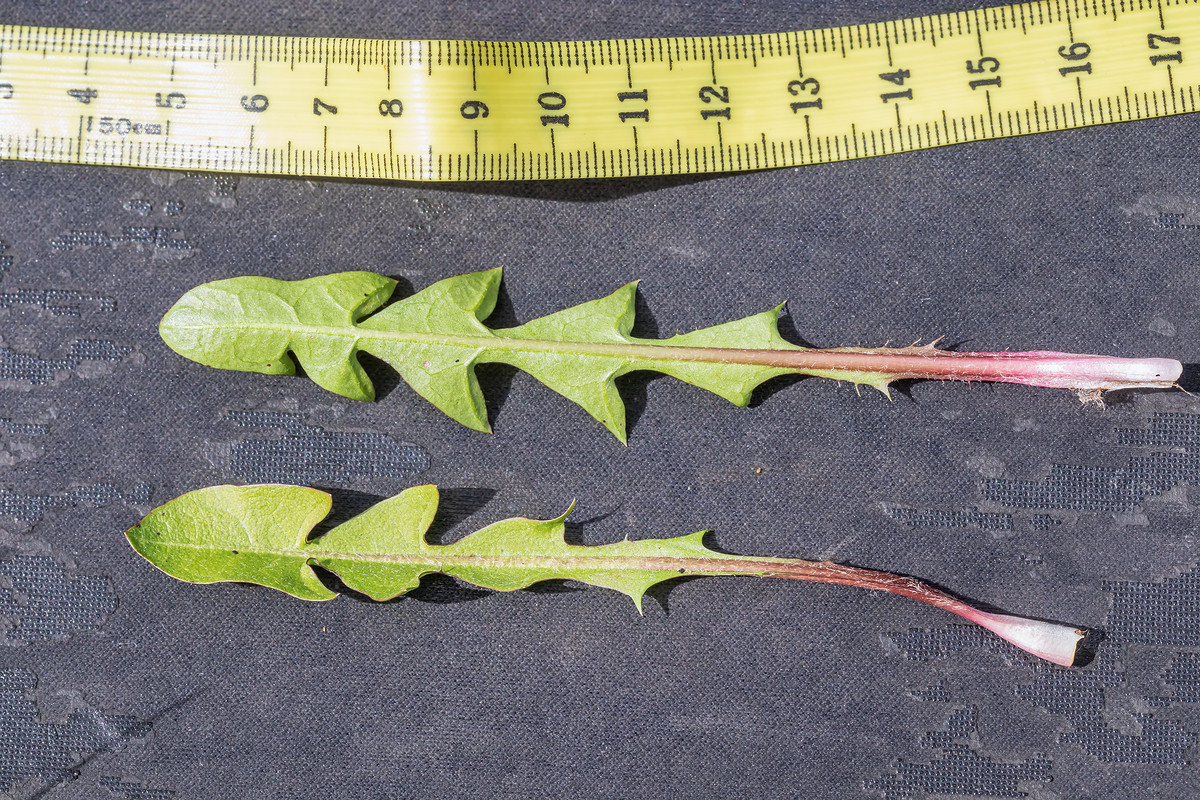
column 904, row 388
column 1189, row 381
column 773, row 386
column 495, row 379
column 347, row 503
column 503, row 315
column 634, row 390
column 457, row 504
column 577, row 190
column 573, row 530
column 645, row 323
column 383, row 376
column 788, row 330
column 633, row 386
column 660, row 593
column 404, row 288
column 582, row 190
column 438, row 589
column 555, row 586
column 1089, row 647
column 434, row 588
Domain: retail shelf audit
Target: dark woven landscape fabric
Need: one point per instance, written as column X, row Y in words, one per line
column 117, row 681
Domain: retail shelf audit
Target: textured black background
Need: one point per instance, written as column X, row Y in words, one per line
column 119, row 682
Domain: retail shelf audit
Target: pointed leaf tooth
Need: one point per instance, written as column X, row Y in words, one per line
column 345, row 296
column 735, row 382
column 332, row 363
column 933, row 345
column 563, row 517
column 503, row 549
column 585, row 378
column 637, row 602
column 608, row 319
column 618, row 427
column 453, row 306
column 397, row 526
column 445, row 377
column 584, row 382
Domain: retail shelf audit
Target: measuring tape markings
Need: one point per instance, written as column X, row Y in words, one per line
column 465, row 110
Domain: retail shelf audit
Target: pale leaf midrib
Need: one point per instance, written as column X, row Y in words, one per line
column 634, row 350
column 717, row 564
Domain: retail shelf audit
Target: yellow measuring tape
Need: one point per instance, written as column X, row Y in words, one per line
column 464, row 110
